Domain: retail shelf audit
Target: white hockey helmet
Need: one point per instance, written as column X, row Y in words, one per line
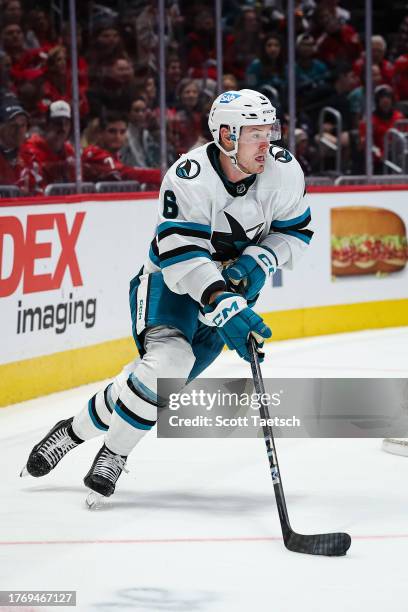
column 236, row 109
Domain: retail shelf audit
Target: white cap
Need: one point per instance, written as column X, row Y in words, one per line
column 59, row 109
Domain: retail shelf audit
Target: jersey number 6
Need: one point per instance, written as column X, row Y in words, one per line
column 170, row 208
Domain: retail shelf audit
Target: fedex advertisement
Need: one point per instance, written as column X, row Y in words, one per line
column 65, row 272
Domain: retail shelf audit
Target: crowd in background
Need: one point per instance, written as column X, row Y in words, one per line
column 118, row 84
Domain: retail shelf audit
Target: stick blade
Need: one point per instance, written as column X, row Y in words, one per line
column 327, row 544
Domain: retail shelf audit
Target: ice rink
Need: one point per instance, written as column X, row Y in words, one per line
column 194, row 525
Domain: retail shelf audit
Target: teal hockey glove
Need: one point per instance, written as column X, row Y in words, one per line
column 250, row 271
column 235, row 321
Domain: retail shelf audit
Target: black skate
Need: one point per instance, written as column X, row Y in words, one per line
column 103, row 475
column 51, row 449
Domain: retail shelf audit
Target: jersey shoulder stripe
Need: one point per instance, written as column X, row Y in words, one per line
column 300, row 221
column 305, row 235
column 183, row 253
column 199, row 230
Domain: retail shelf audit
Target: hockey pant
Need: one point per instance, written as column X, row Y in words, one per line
column 173, row 344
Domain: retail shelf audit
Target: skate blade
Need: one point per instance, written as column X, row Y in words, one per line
column 24, row 472
column 94, row 500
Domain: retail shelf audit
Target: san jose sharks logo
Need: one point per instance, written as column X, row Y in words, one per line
column 229, row 245
column 280, row 154
column 188, row 169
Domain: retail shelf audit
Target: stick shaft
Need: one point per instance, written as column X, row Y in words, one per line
column 269, row 440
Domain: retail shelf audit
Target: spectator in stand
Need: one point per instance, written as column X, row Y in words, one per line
column 30, row 95
column 141, row 148
column 305, row 154
column 339, row 42
column 107, row 45
column 102, row 162
column 243, row 45
column 344, row 83
column 83, row 78
column 149, row 92
column 383, row 119
column 185, row 122
column 12, row 42
column 6, row 84
column 400, row 80
column 50, row 158
column 129, row 37
column 312, row 75
column 115, row 89
column 25, row 64
column 39, row 30
column 229, row 83
column 332, row 7
column 200, row 43
column 174, row 74
column 357, row 96
column 13, row 130
column 378, row 50
column 269, row 68
column 274, row 17
column 146, row 36
column 58, row 81
column 12, row 12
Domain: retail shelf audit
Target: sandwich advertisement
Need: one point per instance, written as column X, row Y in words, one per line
column 367, row 240
column 358, row 253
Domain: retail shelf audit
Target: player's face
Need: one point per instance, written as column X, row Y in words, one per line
column 253, row 145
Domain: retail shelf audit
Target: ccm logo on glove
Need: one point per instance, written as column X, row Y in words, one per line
column 268, row 264
column 227, row 307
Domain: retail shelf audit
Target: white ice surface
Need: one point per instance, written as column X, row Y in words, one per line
column 194, row 525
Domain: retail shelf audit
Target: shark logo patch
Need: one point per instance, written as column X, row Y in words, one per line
column 188, row 169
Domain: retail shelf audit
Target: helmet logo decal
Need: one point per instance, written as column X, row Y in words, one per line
column 188, row 169
column 229, row 96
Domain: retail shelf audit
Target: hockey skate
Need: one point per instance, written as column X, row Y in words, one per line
column 51, row 449
column 103, row 475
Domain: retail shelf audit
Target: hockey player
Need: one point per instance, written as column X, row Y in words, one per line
column 230, row 213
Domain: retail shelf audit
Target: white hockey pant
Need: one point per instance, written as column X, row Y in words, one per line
column 127, row 408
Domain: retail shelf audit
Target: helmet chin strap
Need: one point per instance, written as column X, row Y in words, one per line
column 233, row 156
column 234, row 162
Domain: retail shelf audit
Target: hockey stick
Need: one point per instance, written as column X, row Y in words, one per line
column 329, row 544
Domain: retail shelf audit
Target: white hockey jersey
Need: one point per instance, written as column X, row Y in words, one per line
column 206, row 221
